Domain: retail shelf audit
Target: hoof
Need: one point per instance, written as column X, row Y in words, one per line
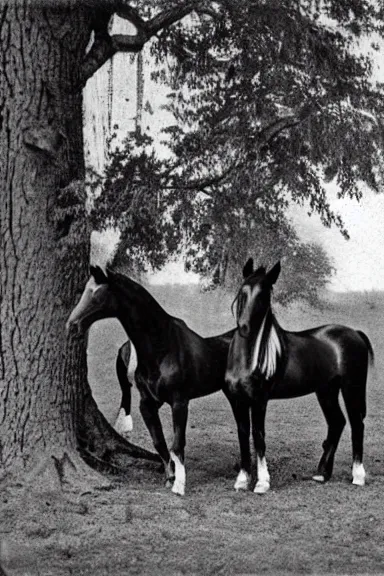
column 242, row 481
column 178, row 488
column 261, row 487
column 319, row 478
column 358, row 481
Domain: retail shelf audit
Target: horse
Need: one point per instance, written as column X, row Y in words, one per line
column 124, row 423
column 267, row 362
column 174, row 363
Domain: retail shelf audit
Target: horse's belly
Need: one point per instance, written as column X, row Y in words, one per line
column 304, row 379
column 292, row 389
column 204, row 385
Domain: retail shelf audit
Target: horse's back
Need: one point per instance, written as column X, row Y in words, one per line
column 319, row 356
column 345, row 344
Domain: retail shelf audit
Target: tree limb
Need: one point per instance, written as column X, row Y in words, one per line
column 102, row 48
column 272, row 130
column 105, row 46
column 201, row 184
column 170, row 16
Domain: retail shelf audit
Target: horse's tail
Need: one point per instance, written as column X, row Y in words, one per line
column 368, row 344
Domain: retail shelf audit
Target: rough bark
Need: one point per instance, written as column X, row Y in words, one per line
column 45, row 400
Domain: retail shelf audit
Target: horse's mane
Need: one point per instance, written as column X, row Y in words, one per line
column 127, row 286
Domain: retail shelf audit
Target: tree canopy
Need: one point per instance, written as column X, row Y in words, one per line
column 271, row 100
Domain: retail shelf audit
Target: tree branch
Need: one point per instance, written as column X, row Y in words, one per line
column 105, row 46
column 102, row 48
column 273, row 129
column 129, row 13
column 202, row 184
column 170, row 16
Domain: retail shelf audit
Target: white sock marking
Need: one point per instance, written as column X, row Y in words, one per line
column 358, row 474
column 263, row 478
column 180, row 476
column 318, row 478
column 123, row 422
column 242, row 481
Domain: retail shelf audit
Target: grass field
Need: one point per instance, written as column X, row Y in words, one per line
column 299, row 527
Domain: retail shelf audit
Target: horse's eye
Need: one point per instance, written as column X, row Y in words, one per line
column 98, row 294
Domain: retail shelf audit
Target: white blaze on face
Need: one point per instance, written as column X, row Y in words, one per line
column 250, row 295
column 81, row 307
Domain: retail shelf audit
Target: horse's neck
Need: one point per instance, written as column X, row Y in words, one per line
column 143, row 319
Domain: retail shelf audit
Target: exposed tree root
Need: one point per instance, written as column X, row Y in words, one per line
column 63, row 470
column 79, row 465
column 102, row 447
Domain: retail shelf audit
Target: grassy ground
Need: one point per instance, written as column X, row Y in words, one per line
column 139, row 527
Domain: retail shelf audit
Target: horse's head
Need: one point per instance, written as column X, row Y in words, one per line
column 254, row 297
column 96, row 302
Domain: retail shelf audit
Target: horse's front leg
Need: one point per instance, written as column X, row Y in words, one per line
column 150, row 413
column 240, row 408
column 180, row 417
column 259, row 408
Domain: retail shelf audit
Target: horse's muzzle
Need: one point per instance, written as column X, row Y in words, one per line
column 73, row 327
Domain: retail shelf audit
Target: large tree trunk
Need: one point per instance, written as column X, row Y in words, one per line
column 45, row 400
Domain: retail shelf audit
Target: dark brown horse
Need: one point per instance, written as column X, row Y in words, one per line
column 266, row 362
column 174, row 364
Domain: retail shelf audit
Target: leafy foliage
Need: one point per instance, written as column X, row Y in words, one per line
column 271, row 100
column 132, row 200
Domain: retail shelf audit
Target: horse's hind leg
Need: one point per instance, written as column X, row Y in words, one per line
column 329, row 403
column 180, row 417
column 124, row 422
column 355, row 402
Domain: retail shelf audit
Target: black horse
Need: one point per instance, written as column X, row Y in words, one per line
column 266, row 362
column 174, row 364
column 124, row 423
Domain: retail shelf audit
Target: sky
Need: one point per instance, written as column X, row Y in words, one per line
column 359, row 261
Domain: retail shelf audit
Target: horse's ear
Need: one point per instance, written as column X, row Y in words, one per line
column 248, row 268
column 98, row 274
column 273, row 274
